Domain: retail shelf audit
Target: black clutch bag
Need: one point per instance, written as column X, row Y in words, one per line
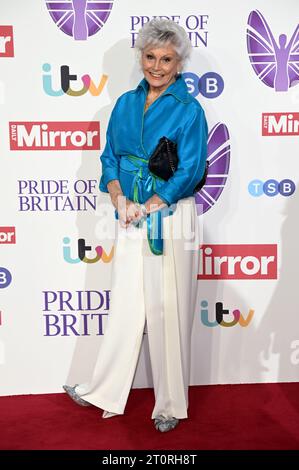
column 164, row 162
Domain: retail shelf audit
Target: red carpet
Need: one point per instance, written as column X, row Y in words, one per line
column 258, row 416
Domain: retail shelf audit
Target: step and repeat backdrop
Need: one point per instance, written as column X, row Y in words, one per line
column 63, row 64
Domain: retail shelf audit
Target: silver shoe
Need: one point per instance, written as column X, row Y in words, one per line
column 74, row 396
column 163, row 424
column 109, row 414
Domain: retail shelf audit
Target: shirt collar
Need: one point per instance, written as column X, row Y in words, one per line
column 178, row 89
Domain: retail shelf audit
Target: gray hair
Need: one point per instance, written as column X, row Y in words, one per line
column 158, row 32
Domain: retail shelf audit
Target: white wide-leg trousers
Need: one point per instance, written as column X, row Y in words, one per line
column 161, row 292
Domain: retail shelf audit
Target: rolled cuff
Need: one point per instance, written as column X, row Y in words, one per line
column 165, row 197
column 109, row 175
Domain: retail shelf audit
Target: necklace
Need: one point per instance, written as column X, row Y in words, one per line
column 148, row 102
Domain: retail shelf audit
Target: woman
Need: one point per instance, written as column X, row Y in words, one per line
column 147, row 287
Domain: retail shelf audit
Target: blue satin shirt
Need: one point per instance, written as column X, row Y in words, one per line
column 132, row 136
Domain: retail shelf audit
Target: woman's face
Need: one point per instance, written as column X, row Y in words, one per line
column 160, row 65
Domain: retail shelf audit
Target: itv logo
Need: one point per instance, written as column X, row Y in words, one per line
column 223, row 316
column 82, row 249
column 65, row 80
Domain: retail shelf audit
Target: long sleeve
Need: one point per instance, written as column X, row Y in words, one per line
column 109, row 160
column 192, row 153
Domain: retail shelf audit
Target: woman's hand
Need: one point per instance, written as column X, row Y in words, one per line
column 127, row 210
column 154, row 204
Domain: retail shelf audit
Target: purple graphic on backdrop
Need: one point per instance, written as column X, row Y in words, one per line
column 218, row 158
column 79, row 18
column 277, row 65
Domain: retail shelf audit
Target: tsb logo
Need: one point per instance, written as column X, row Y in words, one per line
column 7, row 235
column 231, row 319
column 6, row 41
column 271, row 188
column 210, row 85
column 237, row 262
column 5, row 277
column 280, row 124
column 54, row 135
